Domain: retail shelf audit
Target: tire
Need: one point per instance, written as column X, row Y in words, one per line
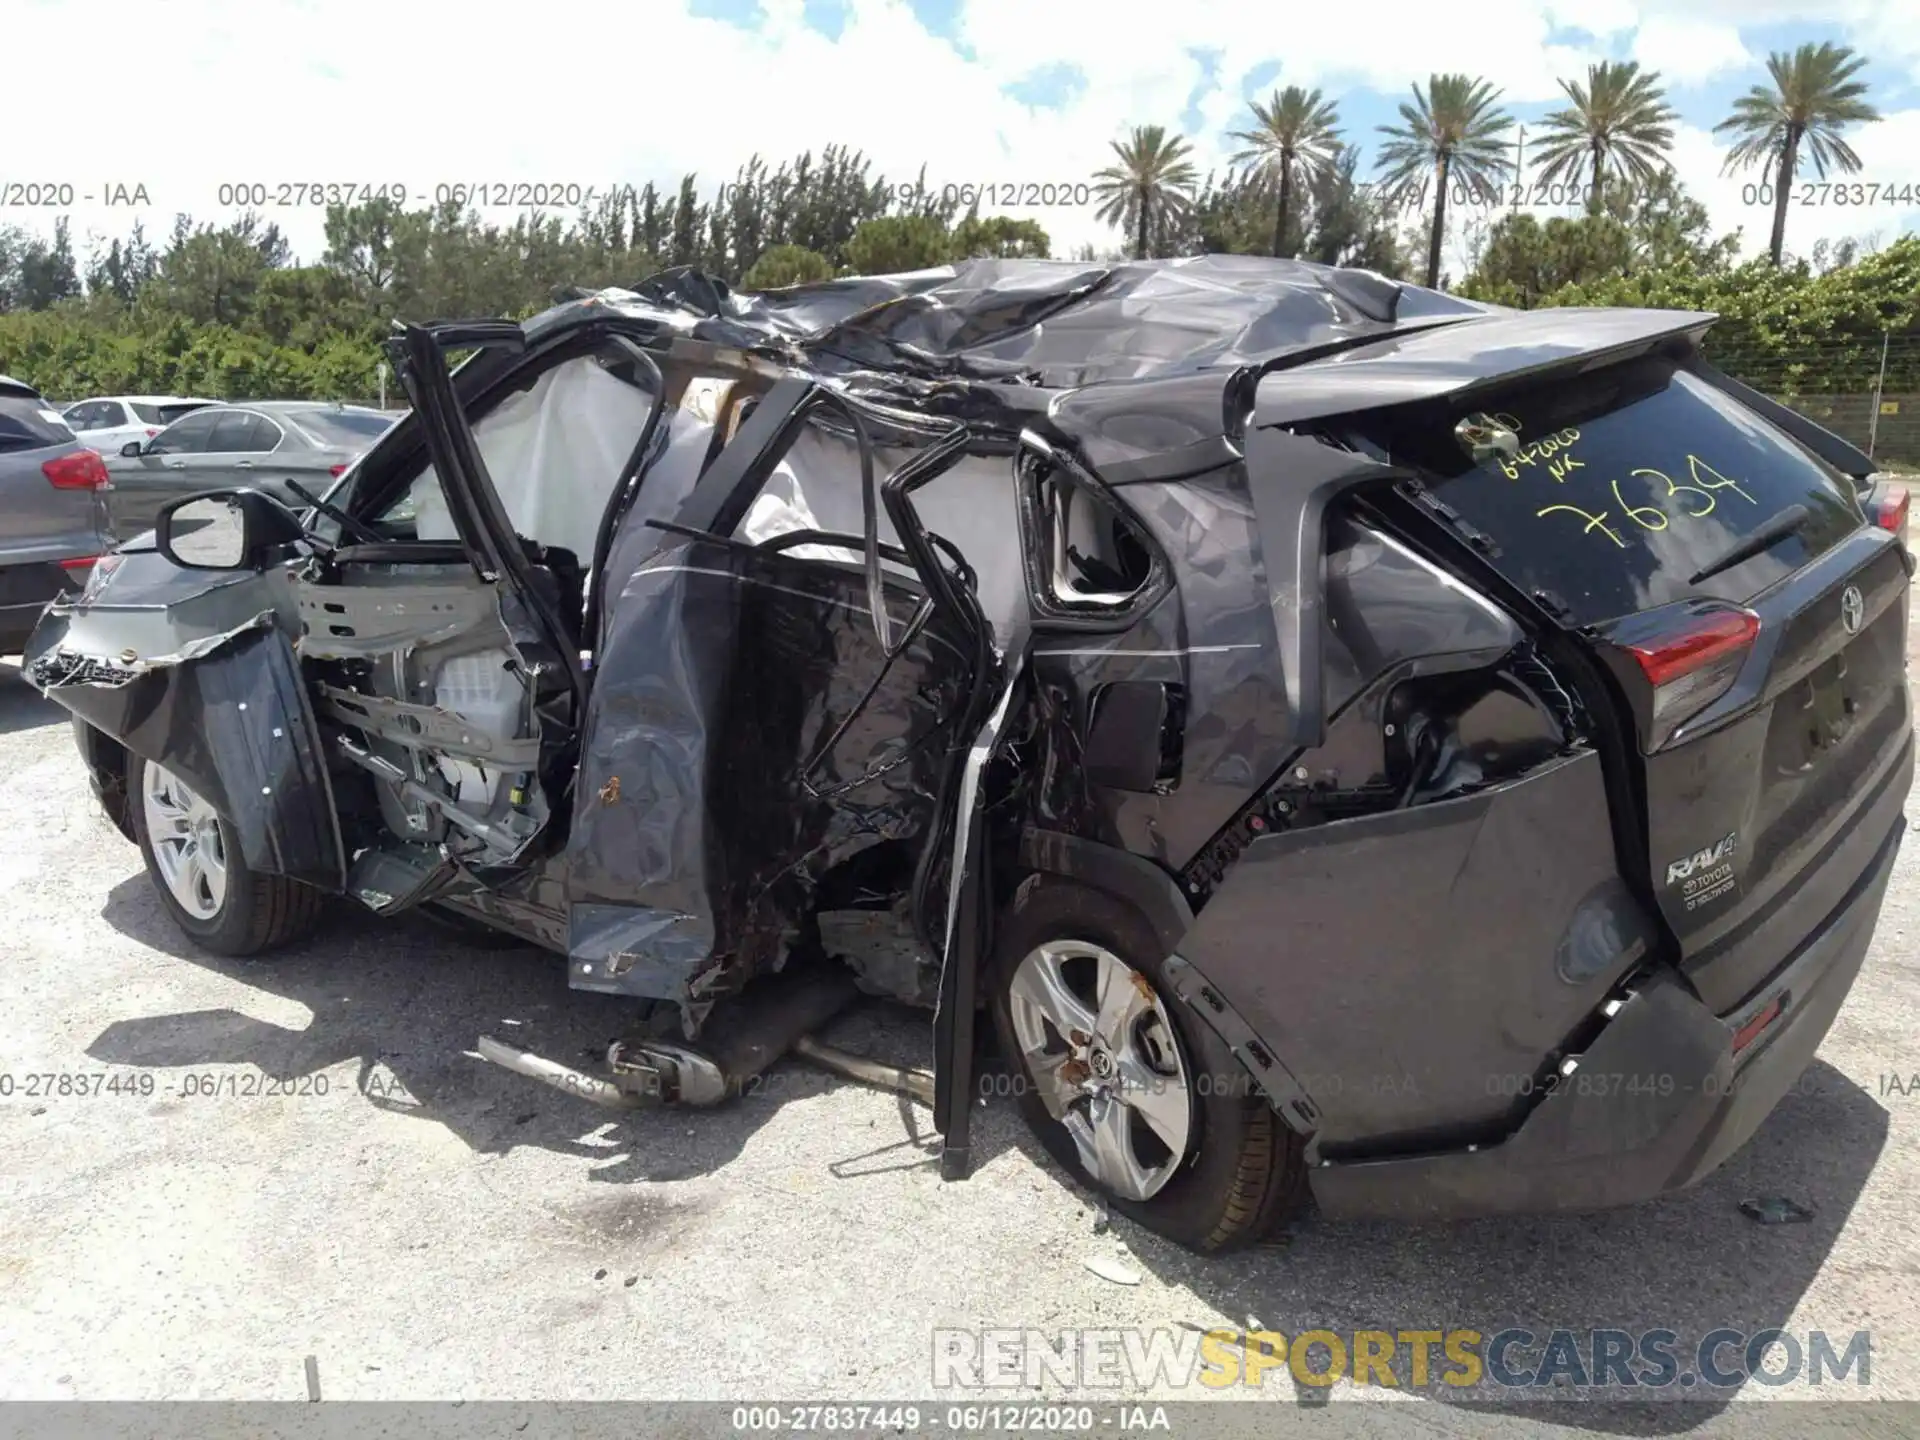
column 223, row 907
column 1241, row 1173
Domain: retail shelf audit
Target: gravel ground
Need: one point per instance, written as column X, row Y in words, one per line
column 429, row 1227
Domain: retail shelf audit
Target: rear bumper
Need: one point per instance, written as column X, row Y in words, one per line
column 1663, row 1104
column 24, row 593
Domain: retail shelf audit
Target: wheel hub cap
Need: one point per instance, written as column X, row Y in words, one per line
column 1102, row 1054
column 188, row 849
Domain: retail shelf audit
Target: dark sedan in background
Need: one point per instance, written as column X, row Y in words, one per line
column 263, row 444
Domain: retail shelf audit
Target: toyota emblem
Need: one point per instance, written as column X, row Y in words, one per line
column 1853, row 609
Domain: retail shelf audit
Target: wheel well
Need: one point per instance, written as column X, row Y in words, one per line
column 1128, row 878
column 107, row 765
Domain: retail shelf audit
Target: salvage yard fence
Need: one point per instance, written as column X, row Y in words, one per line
column 1866, row 392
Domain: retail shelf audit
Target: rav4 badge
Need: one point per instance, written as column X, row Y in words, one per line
column 1706, row 874
column 1703, row 859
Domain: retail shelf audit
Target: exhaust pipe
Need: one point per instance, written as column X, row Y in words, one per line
column 560, row 1077
column 916, row 1084
column 776, row 1018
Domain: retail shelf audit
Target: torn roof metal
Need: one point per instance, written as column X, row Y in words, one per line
column 1152, row 368
column 1056, row 324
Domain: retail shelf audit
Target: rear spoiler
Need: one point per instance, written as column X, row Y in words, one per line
column 1839, row 453
column 1465, row 357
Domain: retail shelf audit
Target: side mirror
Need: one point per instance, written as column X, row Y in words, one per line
column 132, row 448
column 224, row 529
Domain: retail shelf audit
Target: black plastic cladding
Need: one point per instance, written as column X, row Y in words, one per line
column 236, row 726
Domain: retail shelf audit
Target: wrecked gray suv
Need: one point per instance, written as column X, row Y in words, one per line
column 1345, row 738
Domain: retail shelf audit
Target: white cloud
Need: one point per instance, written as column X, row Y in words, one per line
column 594, row 92
column 1887, row 154
column 1686, row 50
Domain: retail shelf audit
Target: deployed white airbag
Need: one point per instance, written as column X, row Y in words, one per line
column 554, row 452
column 817, row 487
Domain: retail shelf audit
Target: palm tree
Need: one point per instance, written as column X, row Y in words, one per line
column 1456, row 132
column 1153, row 181
column 1296, row 132
column 1619, row 121
column 1812, row 96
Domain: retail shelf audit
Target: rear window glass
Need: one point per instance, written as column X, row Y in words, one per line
column 29, row 423
column 351, row 429
column 1611, row 490
column 164, row 414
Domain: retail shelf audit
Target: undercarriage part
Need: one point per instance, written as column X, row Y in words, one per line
column 390, row 880
column 747, row 1034
column 744, row 1039
column 883, row 952
column 916, row 1084
column 662, row 1070
column 560, row 1077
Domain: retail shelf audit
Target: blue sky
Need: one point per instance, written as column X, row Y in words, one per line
column 1053, row 84
column 974, row 91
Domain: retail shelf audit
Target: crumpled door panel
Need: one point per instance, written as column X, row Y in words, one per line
column 746, row 735
column 1415, row 969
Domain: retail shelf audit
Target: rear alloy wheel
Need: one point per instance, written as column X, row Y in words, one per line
column 1124, row 1084
column 1096, row 1040
column 194, row 860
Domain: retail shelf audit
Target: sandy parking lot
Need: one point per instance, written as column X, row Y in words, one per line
column 429, row 1227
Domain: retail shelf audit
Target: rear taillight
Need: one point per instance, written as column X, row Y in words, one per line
column 79, row 562
column 1691, row 663
column 1751, row 1031
column 82, row 470
column 152, row 430
column 336, row 471
column 1887, row 507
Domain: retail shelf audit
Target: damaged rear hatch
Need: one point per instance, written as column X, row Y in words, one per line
column 1751, row 617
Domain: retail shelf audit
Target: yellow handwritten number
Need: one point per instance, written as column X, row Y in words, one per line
column 1594, row 522
column 1719, row 482
column 1673, row 489
column 1638, row 512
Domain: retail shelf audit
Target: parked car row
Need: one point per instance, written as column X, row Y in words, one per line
column 74, row 478
column 108, row 422
column 270, row 445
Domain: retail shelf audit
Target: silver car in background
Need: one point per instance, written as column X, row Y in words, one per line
column 270, row 445
column 53, row 510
